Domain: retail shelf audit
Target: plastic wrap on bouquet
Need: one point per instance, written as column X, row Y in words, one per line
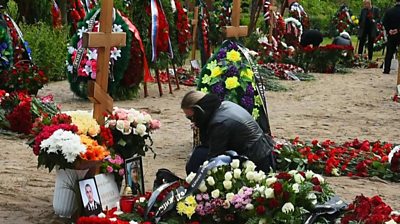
column 65, row 201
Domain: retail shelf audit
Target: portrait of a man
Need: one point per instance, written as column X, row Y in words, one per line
column 90, row 198
column 134, row 176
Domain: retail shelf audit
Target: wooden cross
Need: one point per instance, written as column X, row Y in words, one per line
column 236, row 30
column 272, row 10
column 194, row 34
column 103, row 41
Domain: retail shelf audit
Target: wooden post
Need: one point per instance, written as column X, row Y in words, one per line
column 195, row 22
column 272, row 10
column 235, row 30
column 103, row 41
column 398, row 73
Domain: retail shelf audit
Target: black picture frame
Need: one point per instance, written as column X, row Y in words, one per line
column 94, row 208
column 133, row 166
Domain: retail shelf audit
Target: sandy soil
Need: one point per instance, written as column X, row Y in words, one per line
column 338, row 107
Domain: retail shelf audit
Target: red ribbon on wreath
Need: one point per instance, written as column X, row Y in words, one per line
column 56, row 15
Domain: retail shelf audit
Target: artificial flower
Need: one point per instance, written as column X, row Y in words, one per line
column 233, row 56
column 287, row 208
column 232, row 83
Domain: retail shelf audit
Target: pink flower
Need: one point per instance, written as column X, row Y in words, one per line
column 155, row 124
column 118, row 160
column 110, row 169
column 121, row 172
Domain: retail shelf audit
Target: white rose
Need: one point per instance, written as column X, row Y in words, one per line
column 210, row 181
column 313, row 198
column 120, row 125
column 320, row 178
column 237, row 173
column 226, row 204
column 250, row 175
column 141, row 129
column 296, row 188
column 269, row 192
column 140, row 119
column 227, row 184
column 215, row 169
column 235, row 163
column 130, row 117
column 335, row 172
column 228, row 175
column 215, row 193
column 270, row 181
column 229, row 196
column 309, row 174
column 249, row 207
column 298, row 178
column 147, row 118
column 287, row 208
column 203, row 187
column 250, row 166
column 190, row 177
column 292, row 172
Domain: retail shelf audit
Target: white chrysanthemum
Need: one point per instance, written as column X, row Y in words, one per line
column 211, row 181
column 269, row 192
column 235, row 163
column 229, row 196
column 270, row 180
column 296, row 188
column 64, row 142
column 237, row 173
column 228, row 175
column 298, row 178
column 215, row 193
column 227, row 184
column 141, row 129
column 287, row 208
column 309, row 174
column 190, row 177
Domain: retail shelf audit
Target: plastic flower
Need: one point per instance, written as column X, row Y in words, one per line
column 248, row 73
column 187, row 206
column 206, row 79
column 233, row 56
column 232, row 83
column 255, row 113
column 287, row 208
column 216, row 71
column 115, row 53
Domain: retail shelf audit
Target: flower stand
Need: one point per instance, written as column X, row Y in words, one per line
column 65, row 200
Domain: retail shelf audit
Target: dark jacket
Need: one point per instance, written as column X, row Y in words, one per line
column 339, row 40
column 391, row 20
column 368, row 24
column 313, row 37
column 95, row 211
column 232, row 128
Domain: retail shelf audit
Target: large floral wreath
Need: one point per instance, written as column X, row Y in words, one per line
column 6, row 55
column 182, row 28
column 342, row 21
column 85, row 70
column 294, row 30
column 229, row 75
column 297, row 11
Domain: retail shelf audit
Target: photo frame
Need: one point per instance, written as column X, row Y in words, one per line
column 90, row 197
column 195, row 65
column 134, row 175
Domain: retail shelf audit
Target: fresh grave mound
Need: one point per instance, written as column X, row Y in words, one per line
column 127, row 64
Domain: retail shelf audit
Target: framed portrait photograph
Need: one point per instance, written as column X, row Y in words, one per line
column 90, row 197
column 134, row 175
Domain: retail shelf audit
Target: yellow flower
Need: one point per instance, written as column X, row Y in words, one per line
column 216, row 71
column 258, row 100
column 180, row 207
column 248, row 73
column 233, row 56
column 232, row 82
column 85, row 122
column 204, row 90
column 189, row 211
column 256, row 113
column 190, row 200
column 206, row 79
column 212, row 65
column 187, row 207
column 353, row 18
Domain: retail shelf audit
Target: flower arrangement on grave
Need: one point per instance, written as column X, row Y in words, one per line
column 293, row 31
column 229, row 75
column 131, row 130
column 6, row 51
column 23, row 77
column 236, row 192
column 352, row 158
column 369, row 210
column 380, row 40
column 124, row 77
column 69, row 141
column 17, row 105
column 343, row 20
column 182, row 28
column 297, row 11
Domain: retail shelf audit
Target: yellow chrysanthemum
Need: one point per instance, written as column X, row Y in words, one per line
column 232, row 82
column 204, row 90
column 180, row 207
column 206, row 79
column 190, row 200
column 248, row 73
column 189, row 211
column 233, row 56
column 215, row 72
column 256, row 113
column 187, row 207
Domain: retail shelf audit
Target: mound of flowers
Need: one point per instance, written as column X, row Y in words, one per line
column 17, row 105
column 354, row 158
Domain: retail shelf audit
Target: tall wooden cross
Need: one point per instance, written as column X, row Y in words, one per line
column 272, row 10
column 103, row 41
column 236, row 30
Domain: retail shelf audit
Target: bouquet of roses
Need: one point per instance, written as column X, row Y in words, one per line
column 131, row 131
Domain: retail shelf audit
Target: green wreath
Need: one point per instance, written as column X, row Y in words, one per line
column 6, row 50
column 78, row 83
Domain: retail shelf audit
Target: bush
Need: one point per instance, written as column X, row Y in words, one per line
column 49, row 48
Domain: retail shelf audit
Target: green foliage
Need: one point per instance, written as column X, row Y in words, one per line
column 48, row 48
column 12, row 9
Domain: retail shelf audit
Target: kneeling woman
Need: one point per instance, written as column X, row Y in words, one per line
column 225, row 126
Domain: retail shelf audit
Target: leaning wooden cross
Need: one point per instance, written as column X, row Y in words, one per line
column 103, row 40
column 235, row 30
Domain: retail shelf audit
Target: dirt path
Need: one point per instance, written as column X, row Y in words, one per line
column 338, row 107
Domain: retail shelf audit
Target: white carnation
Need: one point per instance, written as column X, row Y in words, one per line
column 296, row 188
column 210, row 181
column 287, row 208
